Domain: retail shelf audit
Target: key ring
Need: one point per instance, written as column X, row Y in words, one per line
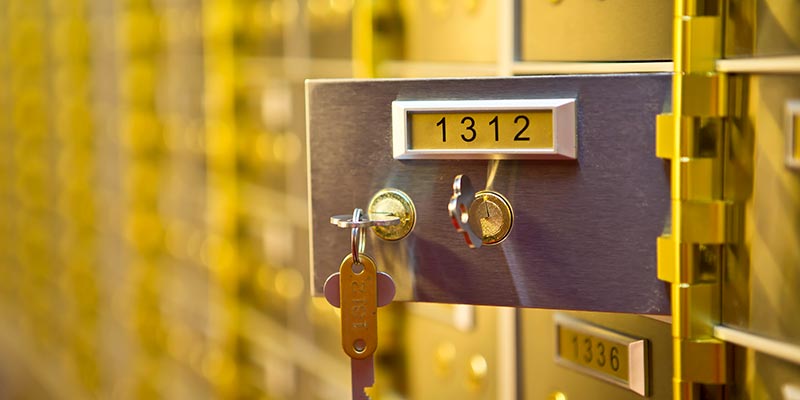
column 358, row 237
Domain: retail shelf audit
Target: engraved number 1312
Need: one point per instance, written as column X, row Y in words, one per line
column 470, row 131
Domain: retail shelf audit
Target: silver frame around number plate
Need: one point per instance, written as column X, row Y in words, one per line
column 564, row 131
column 638, row 354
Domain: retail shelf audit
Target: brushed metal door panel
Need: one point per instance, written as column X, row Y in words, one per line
column 584, row 231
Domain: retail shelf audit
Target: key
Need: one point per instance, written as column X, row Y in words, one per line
column 362, row 369
column 359, row 289
column 347, row 221
column 386, row 289
column 459, row 205
column 358, row 299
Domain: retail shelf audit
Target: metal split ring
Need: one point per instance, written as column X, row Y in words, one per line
column 358, row 237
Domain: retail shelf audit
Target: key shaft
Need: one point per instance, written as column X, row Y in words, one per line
column 362, row 376
column 347, row 221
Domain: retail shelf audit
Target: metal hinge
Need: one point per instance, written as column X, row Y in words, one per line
column 691, row 255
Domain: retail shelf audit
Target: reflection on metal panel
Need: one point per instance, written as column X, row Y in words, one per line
column 583, row 233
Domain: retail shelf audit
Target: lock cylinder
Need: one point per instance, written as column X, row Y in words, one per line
column 491, row 216
column 484, row 217
column 395, row 203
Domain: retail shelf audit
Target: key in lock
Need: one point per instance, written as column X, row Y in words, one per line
column 492, row 216
column 484, row 217
column 358, row 289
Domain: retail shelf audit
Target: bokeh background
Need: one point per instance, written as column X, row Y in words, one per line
column 153, row 197
column 154, row 235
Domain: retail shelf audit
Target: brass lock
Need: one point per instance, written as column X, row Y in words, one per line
column 484, row 218
column 491, row 216
column 395, row 203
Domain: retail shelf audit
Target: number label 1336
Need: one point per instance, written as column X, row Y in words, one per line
column 593, row 352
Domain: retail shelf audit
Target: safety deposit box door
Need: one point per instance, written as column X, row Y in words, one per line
column 571, row 162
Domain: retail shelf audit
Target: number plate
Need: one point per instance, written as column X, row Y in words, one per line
column 487, row 129
column 604, row 354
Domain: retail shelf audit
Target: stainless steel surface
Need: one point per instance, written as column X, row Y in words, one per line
column 584, row 230
column 620, row 30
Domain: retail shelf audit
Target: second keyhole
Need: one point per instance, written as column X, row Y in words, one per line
column 491, row 216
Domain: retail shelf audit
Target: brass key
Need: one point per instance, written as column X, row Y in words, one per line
column 359, row 289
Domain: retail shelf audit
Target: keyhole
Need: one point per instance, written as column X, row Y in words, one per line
column 491, row 217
